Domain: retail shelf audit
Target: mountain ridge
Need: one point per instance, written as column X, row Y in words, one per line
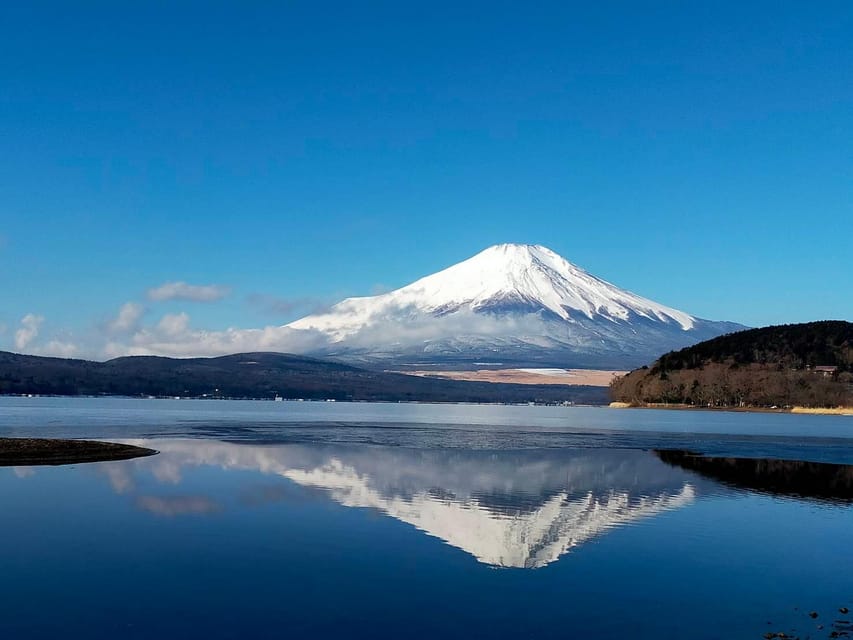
column 259, row 375
column 523, row 304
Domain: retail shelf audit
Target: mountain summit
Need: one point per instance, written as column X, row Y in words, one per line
column 511, row 304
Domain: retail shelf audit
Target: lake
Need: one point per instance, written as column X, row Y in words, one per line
column 286, row 519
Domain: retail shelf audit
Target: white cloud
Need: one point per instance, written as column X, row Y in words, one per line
column 172, row 336
column 188, row 292
column 29, row 331
column 127, row 318
column 173, row 325
column 58, row 349
column 30, row 325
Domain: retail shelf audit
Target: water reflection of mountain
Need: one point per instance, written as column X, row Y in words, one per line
column 508, row 508
column 832, row 482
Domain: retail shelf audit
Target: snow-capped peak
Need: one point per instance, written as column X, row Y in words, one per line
column 520, row 276
column 538, row 275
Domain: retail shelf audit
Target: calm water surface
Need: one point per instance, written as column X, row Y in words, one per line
column 317, row 520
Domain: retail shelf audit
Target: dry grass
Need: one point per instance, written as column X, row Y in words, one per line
column 837, row 411
column 566, row 377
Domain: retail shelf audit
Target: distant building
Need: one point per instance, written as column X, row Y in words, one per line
column 825, row 370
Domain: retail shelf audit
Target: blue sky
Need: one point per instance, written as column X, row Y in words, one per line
column 293, row 155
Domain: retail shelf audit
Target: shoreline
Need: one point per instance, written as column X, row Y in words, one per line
column 816, row 411
column 26, row 452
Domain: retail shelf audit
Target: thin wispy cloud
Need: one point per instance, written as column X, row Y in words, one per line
column 184, row 291
column 282, row 307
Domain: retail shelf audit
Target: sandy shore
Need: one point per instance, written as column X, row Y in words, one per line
column 16, row 452
column 838, row 411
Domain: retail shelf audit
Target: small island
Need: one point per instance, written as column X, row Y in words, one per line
column 21, row 452
column 804, row 368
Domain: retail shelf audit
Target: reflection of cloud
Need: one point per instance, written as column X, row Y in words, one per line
column 167, row 472
column 170, row 506
column 119, row 475
column 268, row 494
column 24, row 472
column 121, row 479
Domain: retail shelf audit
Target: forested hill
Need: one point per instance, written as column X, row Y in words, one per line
column 807, row 364
column 259, row 375
column 825, row 343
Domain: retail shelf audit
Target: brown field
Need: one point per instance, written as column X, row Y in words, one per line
column 567, row 377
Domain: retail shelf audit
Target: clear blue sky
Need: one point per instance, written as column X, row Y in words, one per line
column 701, row 156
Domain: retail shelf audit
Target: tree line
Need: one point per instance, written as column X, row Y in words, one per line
column 772, row 366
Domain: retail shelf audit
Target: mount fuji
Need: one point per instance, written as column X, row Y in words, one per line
column 512, row 305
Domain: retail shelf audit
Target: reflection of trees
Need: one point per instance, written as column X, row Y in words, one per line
column 832, row 482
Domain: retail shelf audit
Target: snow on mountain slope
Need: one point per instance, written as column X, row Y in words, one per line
column 510, row 302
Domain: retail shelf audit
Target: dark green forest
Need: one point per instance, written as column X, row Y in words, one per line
column 808, row 365
column 259, row 375
column 797, row 346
